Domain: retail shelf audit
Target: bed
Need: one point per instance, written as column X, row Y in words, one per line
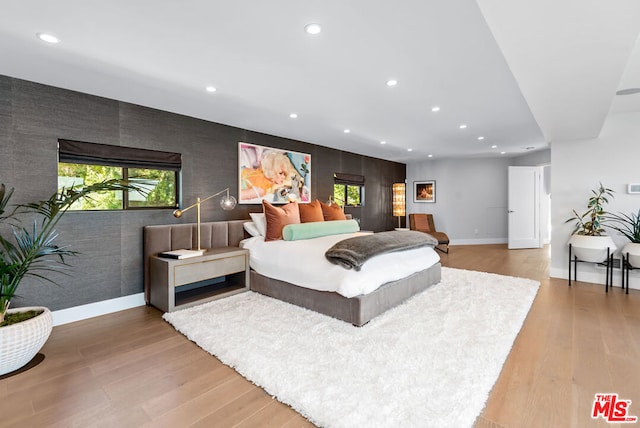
column 356, row 305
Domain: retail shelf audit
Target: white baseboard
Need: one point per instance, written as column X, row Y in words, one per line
column 596, row 277
column 479, row 241
column 91, row 310
column 78, row 313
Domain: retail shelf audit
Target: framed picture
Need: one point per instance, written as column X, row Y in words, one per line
column 275, row 175
column 424, row 191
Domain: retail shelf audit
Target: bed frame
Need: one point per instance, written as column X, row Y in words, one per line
column 356, row 310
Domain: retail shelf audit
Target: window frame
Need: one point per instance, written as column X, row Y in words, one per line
column 124, row 158
column 349, row 180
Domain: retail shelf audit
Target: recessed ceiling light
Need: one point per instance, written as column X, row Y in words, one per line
column 494, row 147
column 436, row 108
column 210, row 89
column 392, row 82
column 346, row 131
column 49, row 38
column 502, row 153
column 383, row 142
column 409, row 150
column 429, row 156
column 293, row 115
column 313, row 28
column 480, row 138
column 463, row 126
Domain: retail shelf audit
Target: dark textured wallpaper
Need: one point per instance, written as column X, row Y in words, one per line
column 34, row 116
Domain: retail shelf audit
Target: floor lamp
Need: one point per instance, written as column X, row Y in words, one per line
column 399, row 201
column 227, row 203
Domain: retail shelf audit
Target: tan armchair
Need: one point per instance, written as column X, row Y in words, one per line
column 424, row 223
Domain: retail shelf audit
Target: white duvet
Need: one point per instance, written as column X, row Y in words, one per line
column 303, row 263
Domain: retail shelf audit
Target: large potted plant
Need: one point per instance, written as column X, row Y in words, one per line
column 32, row 252
column 588, row 240
column 629, row 226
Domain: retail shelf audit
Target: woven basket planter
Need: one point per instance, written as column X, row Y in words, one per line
column 19, row 343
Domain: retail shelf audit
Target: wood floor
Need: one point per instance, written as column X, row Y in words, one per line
column 132, row 369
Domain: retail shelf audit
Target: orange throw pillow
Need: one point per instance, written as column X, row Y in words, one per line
column 311, row 212
column 279, row 217
column 332, row 212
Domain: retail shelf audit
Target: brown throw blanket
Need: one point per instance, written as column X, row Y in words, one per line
column 352, row 253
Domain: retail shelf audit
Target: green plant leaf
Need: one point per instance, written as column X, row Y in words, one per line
column 34, row 252
column 595, row 212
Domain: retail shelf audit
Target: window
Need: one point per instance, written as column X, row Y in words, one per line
column 87, row 163
column 348, row 189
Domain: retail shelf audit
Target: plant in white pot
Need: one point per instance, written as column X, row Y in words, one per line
column 629, row 226
column 588, row 241
column 32, row 252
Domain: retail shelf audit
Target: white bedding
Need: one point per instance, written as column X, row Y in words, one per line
column 303, row 263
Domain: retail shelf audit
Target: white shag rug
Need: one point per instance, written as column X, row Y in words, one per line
column 430, row 362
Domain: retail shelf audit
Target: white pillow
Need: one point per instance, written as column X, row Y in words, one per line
column 260, row 222
column 251, row 228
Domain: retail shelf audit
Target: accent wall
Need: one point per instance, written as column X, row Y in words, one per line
column 34, row 116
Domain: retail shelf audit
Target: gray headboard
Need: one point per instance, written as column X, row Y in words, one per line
column 166, row 237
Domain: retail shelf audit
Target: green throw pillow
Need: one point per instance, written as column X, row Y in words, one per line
column 295, row 232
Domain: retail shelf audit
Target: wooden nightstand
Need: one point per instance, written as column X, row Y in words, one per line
column 180, row 283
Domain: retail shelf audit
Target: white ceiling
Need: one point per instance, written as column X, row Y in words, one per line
column 520, row 73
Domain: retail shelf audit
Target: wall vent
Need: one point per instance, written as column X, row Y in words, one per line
column 616, row 264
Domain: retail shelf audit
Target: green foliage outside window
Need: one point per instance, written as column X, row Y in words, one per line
column 347, row 194
column 70, row 175
column 354, row 195
column 338, row 193
column 159, row 186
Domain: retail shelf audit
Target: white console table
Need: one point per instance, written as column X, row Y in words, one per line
column 180, row 283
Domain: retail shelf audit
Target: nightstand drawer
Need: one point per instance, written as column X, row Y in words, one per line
column 181, row 283
column 199, row 271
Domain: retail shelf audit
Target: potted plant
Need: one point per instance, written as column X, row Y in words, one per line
column 629, row 226
column 33, row 252
column 588, row 241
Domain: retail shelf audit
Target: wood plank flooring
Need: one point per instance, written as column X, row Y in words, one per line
column 131, row 369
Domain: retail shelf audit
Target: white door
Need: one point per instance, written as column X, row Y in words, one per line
column 524, row 207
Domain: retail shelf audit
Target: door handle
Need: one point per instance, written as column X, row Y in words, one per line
column 510, row 211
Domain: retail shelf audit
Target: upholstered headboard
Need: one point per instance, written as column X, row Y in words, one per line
column 168, row 237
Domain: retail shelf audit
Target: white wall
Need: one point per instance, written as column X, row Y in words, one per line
column 578, row 167
column 537, row 158
column 471, row 197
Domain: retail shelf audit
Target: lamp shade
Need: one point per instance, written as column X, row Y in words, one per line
column 228, row 202
column 398, row 199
